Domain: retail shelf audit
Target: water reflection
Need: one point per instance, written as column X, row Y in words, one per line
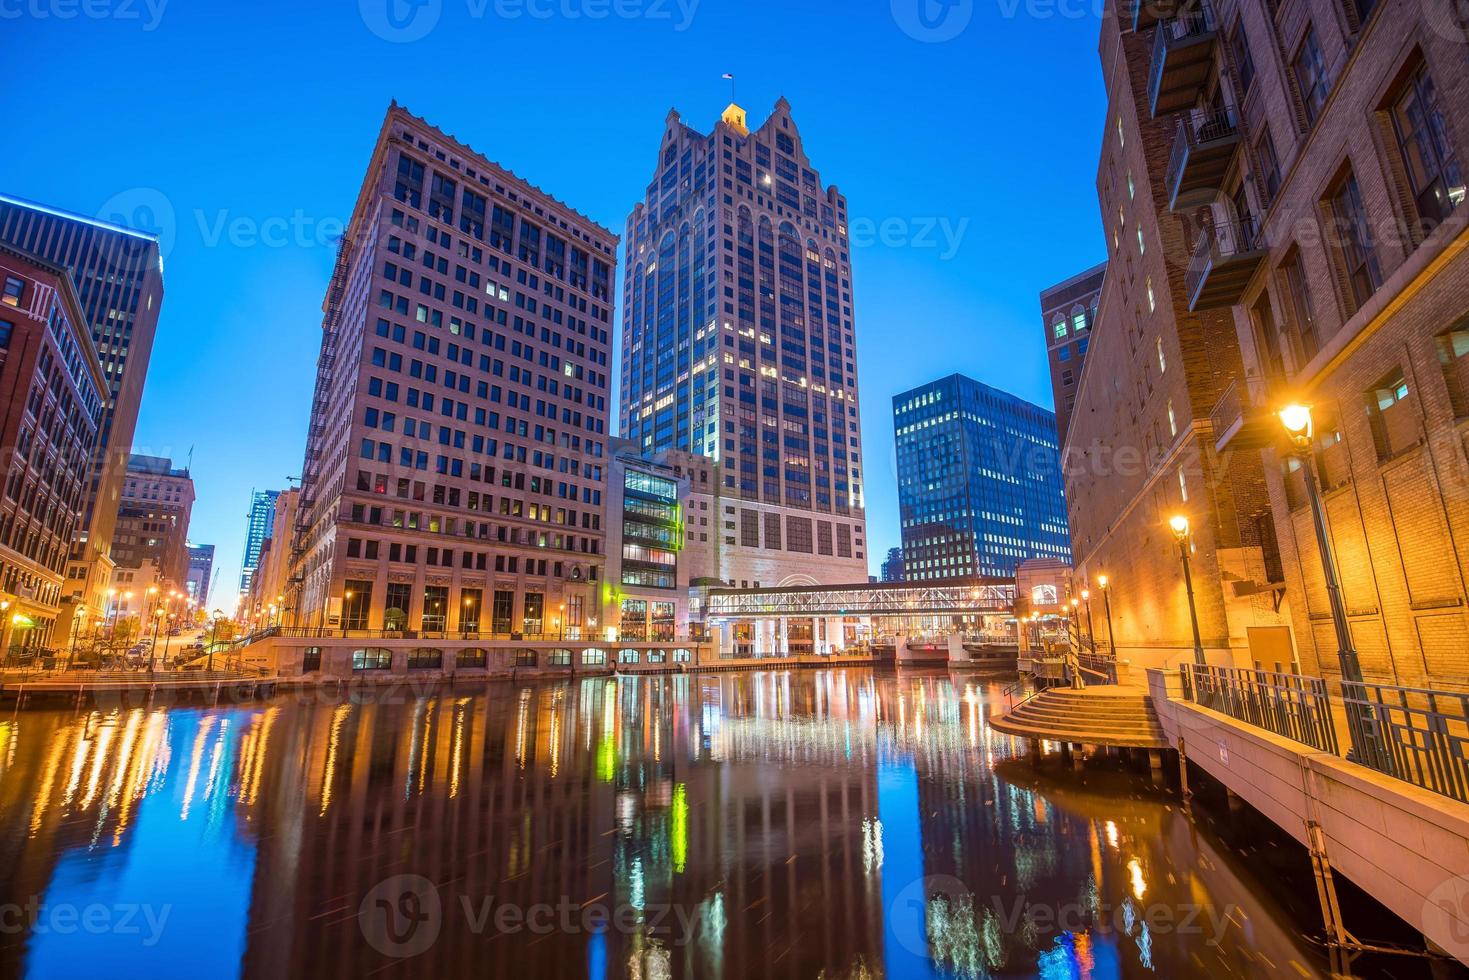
column 797, row 825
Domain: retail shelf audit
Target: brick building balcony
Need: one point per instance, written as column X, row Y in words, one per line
column 1225, row 258
column 1203, row 147
column 1243, row 418
column 1183, row 58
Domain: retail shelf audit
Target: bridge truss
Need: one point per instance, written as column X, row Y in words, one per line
column 876, row 599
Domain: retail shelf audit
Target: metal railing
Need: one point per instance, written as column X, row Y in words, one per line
column 1221, row 240
column 1194, row 22
column 1194, row 129
column 1416, row 734
column 1294, row 706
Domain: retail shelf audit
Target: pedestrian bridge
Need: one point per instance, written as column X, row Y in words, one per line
column 964, row 597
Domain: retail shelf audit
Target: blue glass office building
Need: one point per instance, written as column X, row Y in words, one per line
column 979, row 481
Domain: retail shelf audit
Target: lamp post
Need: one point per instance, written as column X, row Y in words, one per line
column 1366, row 743
column 153, row 647
column 1179, row 524
column 78, row 614
column 468, row 613
column 1091, row 633
column 1104, row 584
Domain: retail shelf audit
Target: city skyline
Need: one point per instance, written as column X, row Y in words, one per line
column 267, row 242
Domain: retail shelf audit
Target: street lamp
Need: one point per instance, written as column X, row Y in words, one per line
column 1091, row 633
column 1104, row 583
column 1366, row 745
column 1179, row 524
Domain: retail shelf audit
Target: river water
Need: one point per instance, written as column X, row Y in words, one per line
column 834, row 824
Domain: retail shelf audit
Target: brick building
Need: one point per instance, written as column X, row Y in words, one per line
column 1140, row 445
column 457, row 446
column 153, row 519
column 52, row 400
column 1326, row 143
column 1068, row 312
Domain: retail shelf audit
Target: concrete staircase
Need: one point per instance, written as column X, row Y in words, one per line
column 1102, row 715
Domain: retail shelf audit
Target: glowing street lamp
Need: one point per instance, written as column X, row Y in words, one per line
column 1179, row 524
column 1366, row 743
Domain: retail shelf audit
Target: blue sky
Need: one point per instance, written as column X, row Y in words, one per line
column 963, row 132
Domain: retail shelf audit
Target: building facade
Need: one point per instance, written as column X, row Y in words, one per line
column 1140, row 447
column 660, row 546
column 52, row 402
column 892, row 566
column 739, row 344
column 259, row 526
column 266, row 601
column 1068, row 311
column 457, row 449
column 118, row 274
column 201, row 570
column 1321, row 149
column 979, row 481
column 153, row 520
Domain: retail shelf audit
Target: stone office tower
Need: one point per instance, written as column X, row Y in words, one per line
column 456, row 452
column 738, row 344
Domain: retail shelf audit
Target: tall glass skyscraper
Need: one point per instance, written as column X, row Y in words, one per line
column 738, row 344
column 259, row 526
column 979, row 481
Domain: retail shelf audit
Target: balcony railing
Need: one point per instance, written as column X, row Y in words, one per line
column 1242, row 418
column 1204, row 143
column 1224, row 259
column 1291, row 705
column 1183, row 54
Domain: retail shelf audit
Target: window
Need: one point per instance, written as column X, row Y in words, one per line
column 1239, row 46
column 1058, row 329
column 425, row 659
column 435, row 608
column 501, row 613
column 1354, row 242
column 535, row 611
column 1433, row 169
column 1152, row 304
column 311, row 660
column 1297, row 302
column 356, row 601
column 1162, row 360
column 14, row 290
column 470, row 659
column 6, row 327
column 593, row 658
column 1310, row 69
column 1394, row 429
column 1182, row 486
column 1269, row 166
column 1172, row 419
column 372, row 658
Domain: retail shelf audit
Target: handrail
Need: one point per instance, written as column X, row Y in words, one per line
column 1295, row 706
